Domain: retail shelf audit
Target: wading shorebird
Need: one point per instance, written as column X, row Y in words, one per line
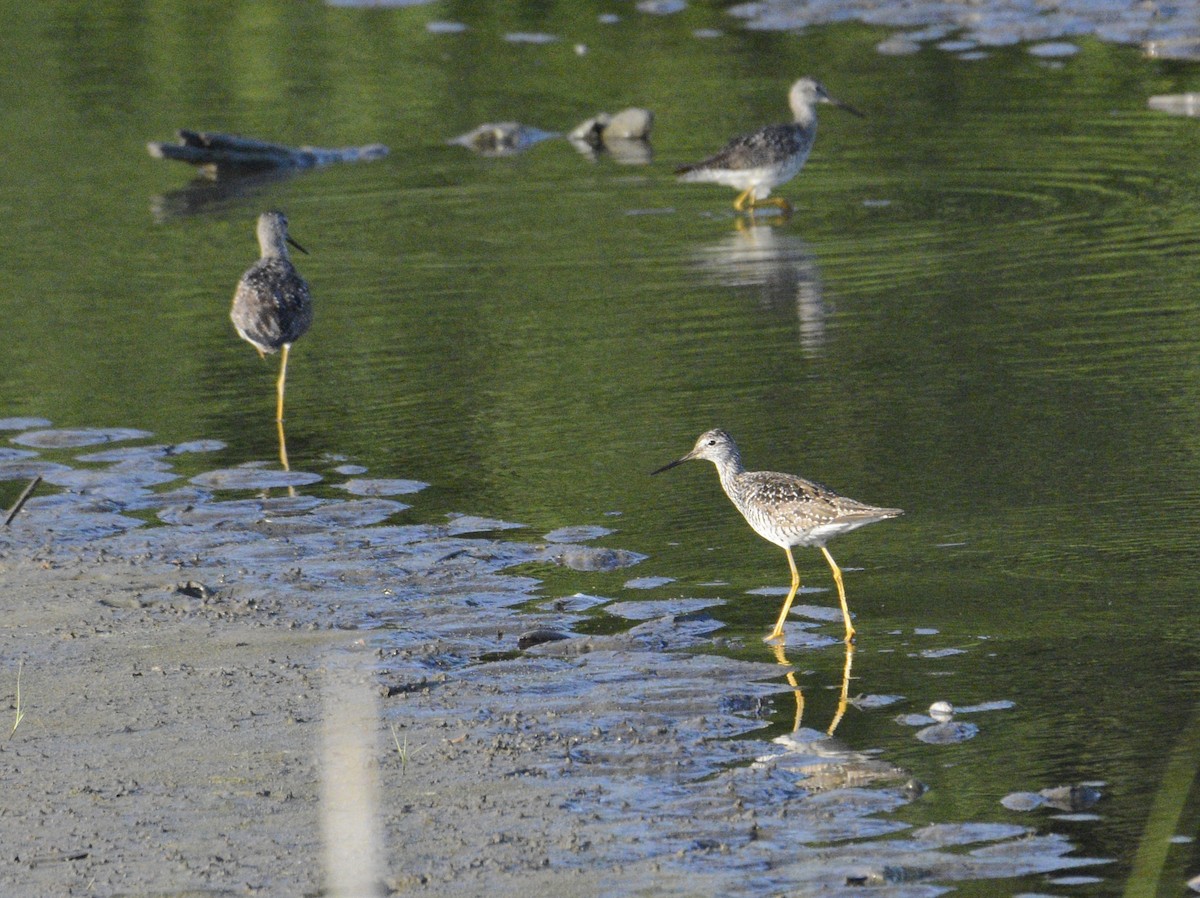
column 786, row 510
column 271, row 307
column 757, row 163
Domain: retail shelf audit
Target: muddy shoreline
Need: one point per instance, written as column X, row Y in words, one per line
column 174, row 640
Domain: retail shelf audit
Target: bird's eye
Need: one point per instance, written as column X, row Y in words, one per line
column 712, row 442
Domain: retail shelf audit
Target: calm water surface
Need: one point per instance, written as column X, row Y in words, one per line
column 984, row 311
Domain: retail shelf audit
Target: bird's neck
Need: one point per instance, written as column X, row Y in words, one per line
column 728, row 470
column 275, row 250
column 806, row 118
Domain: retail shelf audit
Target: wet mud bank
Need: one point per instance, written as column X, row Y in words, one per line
column 172, row 637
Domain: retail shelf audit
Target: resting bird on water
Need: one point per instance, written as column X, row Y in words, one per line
column 756, row 163
column 786, row 510
column 271, row 307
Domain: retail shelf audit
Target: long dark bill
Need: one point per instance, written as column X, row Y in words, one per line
column 297, row 245
column 669, row 465
column 850, row 109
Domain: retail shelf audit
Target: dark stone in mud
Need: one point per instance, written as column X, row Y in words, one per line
column 194, row 589
column 538, row 637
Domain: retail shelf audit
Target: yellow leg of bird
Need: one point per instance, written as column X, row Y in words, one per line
column 282, row 381
column 787, row 603
column 837, row 578
column 784, row 206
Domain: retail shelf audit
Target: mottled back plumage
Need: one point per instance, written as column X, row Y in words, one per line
column 272, row 307
column 772, row 146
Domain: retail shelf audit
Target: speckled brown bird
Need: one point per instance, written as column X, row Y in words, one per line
column 758, row 162
column 786, row 510
column 272, row 308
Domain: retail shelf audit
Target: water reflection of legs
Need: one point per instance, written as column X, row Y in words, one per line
column 843, row 696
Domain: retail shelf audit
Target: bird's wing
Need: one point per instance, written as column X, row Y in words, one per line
column 763, row 147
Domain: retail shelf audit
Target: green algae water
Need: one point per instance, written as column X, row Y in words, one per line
column 983, row 311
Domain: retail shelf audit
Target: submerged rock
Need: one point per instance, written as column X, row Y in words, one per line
column 501, row 138
column 628, row 124
column 1073, row 797
column 625, row 135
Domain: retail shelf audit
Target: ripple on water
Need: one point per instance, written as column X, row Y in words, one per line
column 1053, row 50
column 467, row 523
column 826, row 613
column 86, row 479
column 442, row 27
column 867, row 702
column 382, row 4
column 530, row 37
column 381, row 486
column 580, row 534
column 22, row 423
column 949, row 733
column 661, row 7
column 7, row 454
column 355, row 512
column 87, row 436
column 253, row 479
column 651, row 610
column 237, row 512
column 159, row 450
column 933, row 654
column 648, row 582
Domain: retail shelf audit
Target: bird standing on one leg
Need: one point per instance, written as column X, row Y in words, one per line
column 271, row 307
column 786, row 510
column 756, row 163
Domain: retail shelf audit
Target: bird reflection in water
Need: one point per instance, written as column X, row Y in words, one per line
column 820, row 761
column 283, row 456
column 778, row 650
column 234, row 167
column 213, row 192
column 780, row 267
